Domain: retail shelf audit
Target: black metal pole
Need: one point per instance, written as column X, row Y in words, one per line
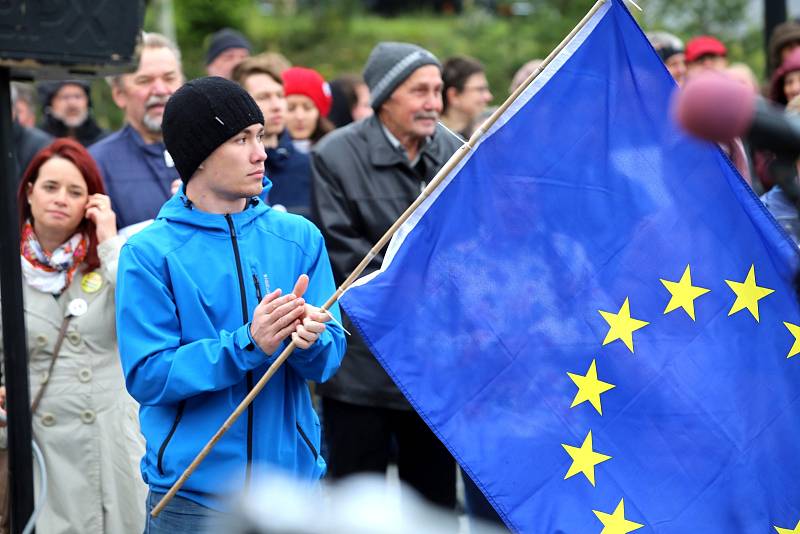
column 15, row 351
column 774, row 14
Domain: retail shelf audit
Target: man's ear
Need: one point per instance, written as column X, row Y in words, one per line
column 119, row 95
column 452, row 94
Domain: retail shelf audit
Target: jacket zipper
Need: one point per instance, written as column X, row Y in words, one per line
column 308, row 441
column 245, row 319
column 178, row 416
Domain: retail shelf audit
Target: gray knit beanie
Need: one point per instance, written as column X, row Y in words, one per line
column 203, row 114
column 389, row 64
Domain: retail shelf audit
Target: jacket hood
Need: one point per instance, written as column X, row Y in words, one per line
column 790, row 64
column 279, row 155
column 88, row 133
column 180, row 209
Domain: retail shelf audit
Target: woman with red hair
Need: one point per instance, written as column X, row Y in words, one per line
column 83, row 419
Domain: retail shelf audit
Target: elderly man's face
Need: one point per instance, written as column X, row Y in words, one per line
column 413, row 109
column 70, row 105
column 144, row 93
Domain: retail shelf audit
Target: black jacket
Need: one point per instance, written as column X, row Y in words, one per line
column 86, row 134
column 27, row 142
column 361, row 184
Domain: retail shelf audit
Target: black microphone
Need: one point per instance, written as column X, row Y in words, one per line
column 714, row 107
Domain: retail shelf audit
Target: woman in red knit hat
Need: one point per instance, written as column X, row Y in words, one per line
column 309, row 100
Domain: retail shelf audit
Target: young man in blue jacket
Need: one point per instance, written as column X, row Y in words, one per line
column 207, row 297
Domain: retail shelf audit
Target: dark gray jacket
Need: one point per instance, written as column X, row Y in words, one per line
column 26, row 142
column 361, row 184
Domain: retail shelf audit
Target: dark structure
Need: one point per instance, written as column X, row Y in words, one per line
column 42, row 40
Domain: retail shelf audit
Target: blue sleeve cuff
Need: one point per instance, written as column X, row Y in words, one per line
column 247, row 346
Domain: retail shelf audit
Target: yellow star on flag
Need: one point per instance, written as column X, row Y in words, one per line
column 795, row 330
column 748, row 294
column 584, row 459
column 683, row 293
column 622, row 325
column 795, row 530
column 589, row 388
column 616, row 523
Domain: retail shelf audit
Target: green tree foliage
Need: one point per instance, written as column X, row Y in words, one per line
column 726, row 19
column 694, row 17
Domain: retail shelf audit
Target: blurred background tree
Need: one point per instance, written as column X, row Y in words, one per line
column 336, row 36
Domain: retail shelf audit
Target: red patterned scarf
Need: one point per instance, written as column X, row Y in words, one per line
column 50, row 272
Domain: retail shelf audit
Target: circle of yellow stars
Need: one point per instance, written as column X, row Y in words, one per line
column 621, row 327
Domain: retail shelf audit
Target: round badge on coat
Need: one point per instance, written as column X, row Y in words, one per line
column 77, row 307
column 91, row 282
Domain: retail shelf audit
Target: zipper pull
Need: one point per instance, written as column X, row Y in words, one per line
column 259, row 296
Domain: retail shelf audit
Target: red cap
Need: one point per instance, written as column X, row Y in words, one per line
column 704, row 45
column 308, row 82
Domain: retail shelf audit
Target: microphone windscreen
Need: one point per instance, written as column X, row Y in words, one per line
column 714, row 107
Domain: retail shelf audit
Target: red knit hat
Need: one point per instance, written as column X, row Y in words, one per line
column 704, row 45
column 308, row 82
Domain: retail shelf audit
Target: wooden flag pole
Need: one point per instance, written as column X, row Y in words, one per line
column 382, row 242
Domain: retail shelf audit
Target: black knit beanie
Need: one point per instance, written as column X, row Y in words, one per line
column 202, row 115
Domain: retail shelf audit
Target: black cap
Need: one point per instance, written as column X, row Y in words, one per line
column 223, row 40
column 47, row 90
column 203, row 114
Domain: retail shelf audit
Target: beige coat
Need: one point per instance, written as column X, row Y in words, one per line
column 86, row 424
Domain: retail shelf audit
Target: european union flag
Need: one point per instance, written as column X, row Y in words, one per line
column 596, row 314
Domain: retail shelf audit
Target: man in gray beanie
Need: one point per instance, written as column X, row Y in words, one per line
column 364, row 176
column 207, row 298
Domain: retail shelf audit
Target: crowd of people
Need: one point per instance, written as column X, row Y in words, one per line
column 213, row 225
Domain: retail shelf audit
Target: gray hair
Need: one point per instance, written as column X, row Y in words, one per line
column 147, row 40
column 23, row 92
column 661, row 40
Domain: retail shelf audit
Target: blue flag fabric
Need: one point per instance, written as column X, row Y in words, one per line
column 596, row 314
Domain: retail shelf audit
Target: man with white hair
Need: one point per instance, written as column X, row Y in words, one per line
column 66, row 111
column 138, row 171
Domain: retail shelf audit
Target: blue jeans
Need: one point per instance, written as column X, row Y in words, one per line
column 180, row 516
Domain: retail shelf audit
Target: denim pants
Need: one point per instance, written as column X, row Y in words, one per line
column 180, row 516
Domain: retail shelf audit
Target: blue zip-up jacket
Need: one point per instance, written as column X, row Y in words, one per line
column 186, row 291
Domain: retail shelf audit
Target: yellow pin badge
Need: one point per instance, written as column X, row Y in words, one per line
column 91, row 282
